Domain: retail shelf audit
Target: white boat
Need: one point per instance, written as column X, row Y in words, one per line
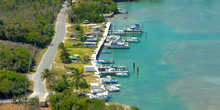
column 113, row 88
column 106, row 61
column 106, row 51
column 100, row 96
column 132, row 39
column 122, row 74
column 93, row 91
column 122, row 11
column 118, row 45
column 109, row 80
column 135, row 28
column 116, row 42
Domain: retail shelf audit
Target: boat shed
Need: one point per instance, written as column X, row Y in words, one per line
column 89, row 68
column 89, row 44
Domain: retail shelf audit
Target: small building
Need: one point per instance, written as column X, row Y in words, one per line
column 95, row 34
column 85, row 22
column 94, row 86
column 89, row 68
column 91, row 38
column 89, row 44
column 73, row 38
column 96, row 29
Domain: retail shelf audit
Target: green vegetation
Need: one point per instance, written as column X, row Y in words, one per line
column 12, row 84
column 91, row 10
column 61, row 84
column 115, row 107
column 28, row 21
column 77, row 27
column 72, row 101
column 33, row 104
column 78, row 80
column 64, row 56
column 15, row 59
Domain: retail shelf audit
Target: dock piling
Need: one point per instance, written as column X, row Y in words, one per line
column 133, row 66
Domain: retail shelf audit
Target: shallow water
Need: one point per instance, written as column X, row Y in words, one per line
column 179, row 57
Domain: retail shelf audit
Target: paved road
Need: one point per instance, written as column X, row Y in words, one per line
column 47, row 60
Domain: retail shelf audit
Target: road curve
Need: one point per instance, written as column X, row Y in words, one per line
column 47, row 60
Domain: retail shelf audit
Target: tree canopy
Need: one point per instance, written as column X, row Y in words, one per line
column 15, row 59
column 12, row 84
column 28, row 21
column 91, row 10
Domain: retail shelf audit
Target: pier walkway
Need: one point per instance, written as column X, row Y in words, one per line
column 99, row 46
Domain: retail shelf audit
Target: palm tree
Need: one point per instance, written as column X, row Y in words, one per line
column 77, row 77
column 47, row 74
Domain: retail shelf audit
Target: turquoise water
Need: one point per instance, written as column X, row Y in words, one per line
column 179, row 58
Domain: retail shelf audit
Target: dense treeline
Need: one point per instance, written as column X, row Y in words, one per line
column 15, row 59
column 70, row 101
column 91, row 10
column 28, row 21
column 12, row 84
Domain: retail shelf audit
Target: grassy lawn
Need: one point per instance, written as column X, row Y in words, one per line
column 80, row 51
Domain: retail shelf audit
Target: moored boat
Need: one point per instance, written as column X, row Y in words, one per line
column 113, row 88
column 109, row 80
column 122, row 74
column 132, row 39
column 100, row 96
column 135, row 28
column 118, row 45
column 106, row 51
column 106, row 61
